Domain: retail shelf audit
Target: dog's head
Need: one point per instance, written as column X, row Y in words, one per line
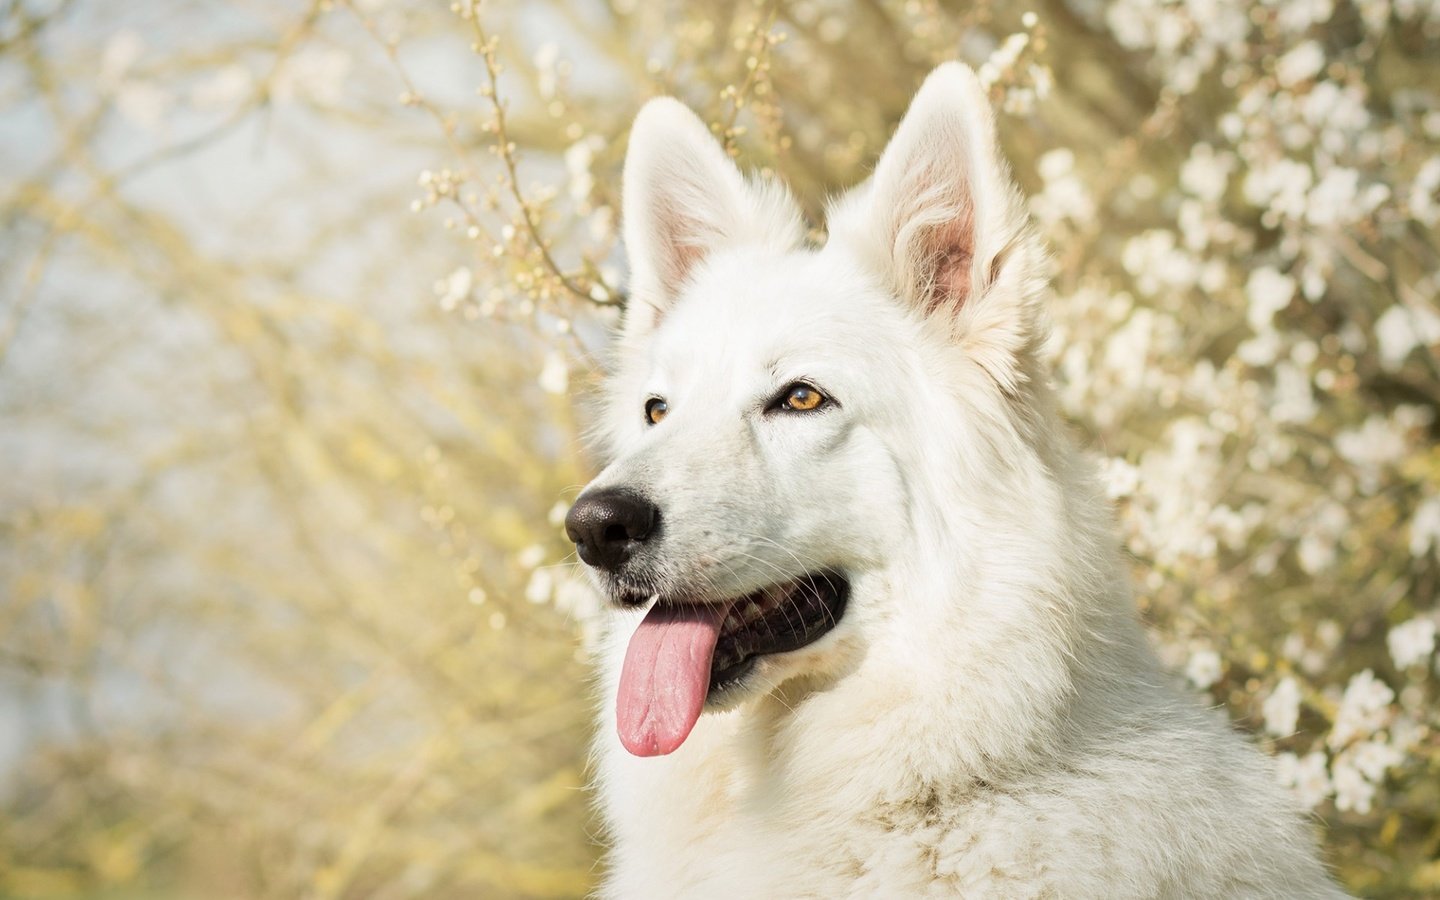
column 778, row 409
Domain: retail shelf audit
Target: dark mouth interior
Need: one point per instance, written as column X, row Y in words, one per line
column 777, row 619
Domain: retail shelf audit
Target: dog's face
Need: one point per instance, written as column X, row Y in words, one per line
column 768, row 394
column 748, row 421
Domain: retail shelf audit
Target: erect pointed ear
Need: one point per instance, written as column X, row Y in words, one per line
column 942, row 222
column 684, row 200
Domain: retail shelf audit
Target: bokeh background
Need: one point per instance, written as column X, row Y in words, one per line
column 300, row 304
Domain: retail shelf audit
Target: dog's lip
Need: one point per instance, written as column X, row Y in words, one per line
column 630, row 596
column 789, row 616
column 730, row 677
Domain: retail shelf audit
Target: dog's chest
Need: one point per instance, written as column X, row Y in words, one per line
column 712, row 824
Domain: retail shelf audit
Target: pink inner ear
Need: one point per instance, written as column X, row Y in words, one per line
column 684, row 238
column 950, row 252
column 679, row 249
column 684, row 257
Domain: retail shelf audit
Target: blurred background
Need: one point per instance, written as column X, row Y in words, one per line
column 300, row 305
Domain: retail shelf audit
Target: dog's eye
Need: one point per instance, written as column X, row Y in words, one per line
column 655, row 410
column 802, row 398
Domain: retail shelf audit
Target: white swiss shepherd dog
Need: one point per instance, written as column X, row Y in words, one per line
column 872, row 634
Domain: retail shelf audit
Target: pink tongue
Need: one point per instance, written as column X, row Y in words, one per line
column 666, row 676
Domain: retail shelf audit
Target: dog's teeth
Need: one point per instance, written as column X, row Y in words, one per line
column 752, row 611
column 731, row 623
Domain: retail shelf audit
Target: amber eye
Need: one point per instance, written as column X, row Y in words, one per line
column 655, row 410
column 802, row 398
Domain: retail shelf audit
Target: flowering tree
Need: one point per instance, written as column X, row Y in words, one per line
column 296, row 301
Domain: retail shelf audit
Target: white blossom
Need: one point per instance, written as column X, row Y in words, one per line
column 1360, row 770
column 1064, row 195
column 122, row 50
column 540, row 587
column 1374, row 758
column 1118, row 477
column 316, row 72
column 1306, row 777
column 574, row 596
column 1204, row 668
column 1375, row 14
column 1176, row 494
column 1425, row 527
column 1353, row 791
column 1294, row 400
column 1411, row 642
column 556, row 515
column 1301, row 63
column 1281, row 187
column 531, row 556
column 1003, row 59
column 1158, row 263
column 144, row 103
column 1363, row 709
column 224, row 88
column 1400, row 329
column 1422, row 197
column 1268, row 292
column 1206, row 172
column 1336, row 111
column 1234, row 527
column 1375, row 444
column 455, row 288
column 1295, row 16
column 578, row 158
column 1337, row 199
column 1261, row 350
column 555, row 374
column 602, row 228
column 1282, row 708
column 1320, row 544
column 546, row 73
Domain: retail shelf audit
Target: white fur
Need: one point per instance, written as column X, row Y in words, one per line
column 987, row 719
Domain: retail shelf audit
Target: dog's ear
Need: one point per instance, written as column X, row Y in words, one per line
column 942, row 222
column 683, row 200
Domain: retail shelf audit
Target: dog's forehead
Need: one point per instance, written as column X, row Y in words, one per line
column 750, row 306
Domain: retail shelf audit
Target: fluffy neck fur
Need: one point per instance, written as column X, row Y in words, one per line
column 1004, row 611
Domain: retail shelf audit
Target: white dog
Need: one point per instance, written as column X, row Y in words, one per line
column 880, row 640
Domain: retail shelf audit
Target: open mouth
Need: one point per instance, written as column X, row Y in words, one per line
column 778, row 619
column 684, row 655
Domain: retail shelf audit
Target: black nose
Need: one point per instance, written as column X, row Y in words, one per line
column 607, row 525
